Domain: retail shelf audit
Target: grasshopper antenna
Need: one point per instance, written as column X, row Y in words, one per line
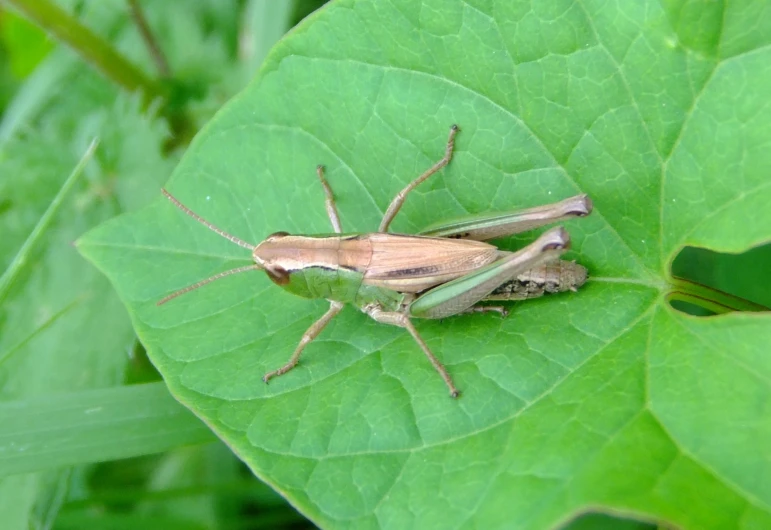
column 207, row 224
column 196, row 285
column 230, row 237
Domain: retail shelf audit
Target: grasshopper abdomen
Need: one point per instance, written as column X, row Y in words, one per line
column 555, row 277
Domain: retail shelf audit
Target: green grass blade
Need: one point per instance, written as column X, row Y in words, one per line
column 94, row 426
column 265, row 22
column 13, row 270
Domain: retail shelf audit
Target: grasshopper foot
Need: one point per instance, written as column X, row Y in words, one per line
column 281, row 371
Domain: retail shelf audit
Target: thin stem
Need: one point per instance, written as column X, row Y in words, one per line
column 708, row 298
column 20, row 260
column 88, row 45
column 152, row 45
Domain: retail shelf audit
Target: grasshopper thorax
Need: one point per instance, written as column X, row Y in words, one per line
column 282, row 254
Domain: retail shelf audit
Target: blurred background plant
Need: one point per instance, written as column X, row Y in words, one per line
column 139, row 78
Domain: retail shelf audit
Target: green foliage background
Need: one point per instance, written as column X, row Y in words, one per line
column 608, row 400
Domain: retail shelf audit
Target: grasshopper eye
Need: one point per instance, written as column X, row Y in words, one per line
column 276, row 235
column 278, row 275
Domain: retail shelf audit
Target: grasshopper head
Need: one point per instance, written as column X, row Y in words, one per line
column 272, row 255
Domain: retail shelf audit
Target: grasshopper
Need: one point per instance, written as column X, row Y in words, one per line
column 445, row 270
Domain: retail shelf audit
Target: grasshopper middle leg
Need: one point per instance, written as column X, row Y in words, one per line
column 395, row 318
column 308, row 336
column 397, row 202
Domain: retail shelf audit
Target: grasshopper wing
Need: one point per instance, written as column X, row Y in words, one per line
column 411, row 264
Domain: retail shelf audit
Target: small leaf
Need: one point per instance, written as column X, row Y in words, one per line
column 607, row 398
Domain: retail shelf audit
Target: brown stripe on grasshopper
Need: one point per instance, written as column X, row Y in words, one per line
column 400, row 262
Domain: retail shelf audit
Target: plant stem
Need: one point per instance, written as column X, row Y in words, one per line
column 711, row 299
column 88, row 45
column 152, row 45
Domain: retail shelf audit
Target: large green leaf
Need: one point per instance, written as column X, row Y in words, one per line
column 607, row 399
